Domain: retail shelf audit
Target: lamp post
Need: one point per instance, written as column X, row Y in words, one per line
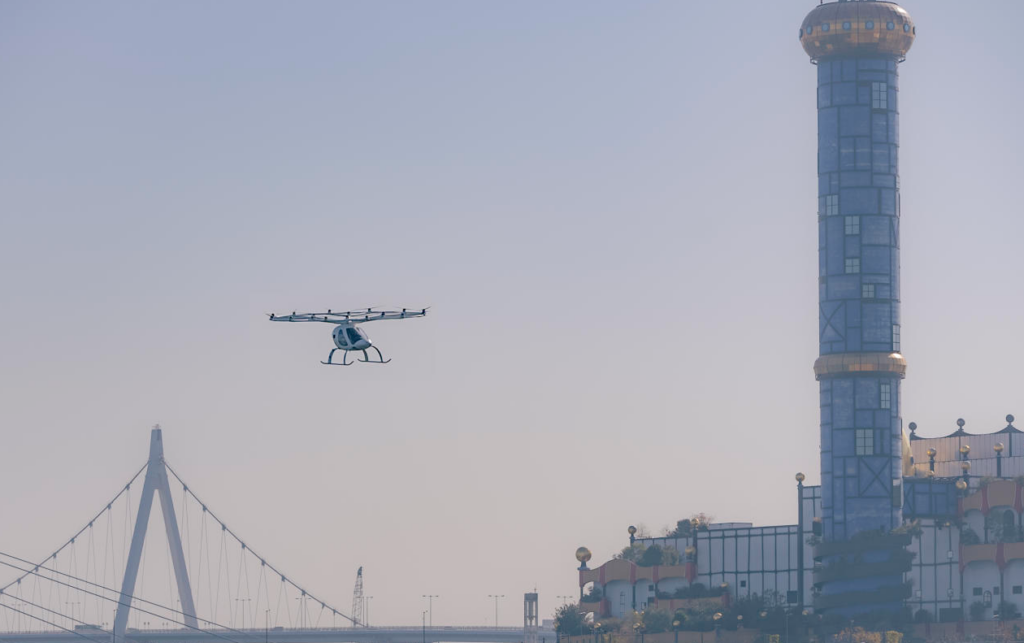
column 597, row 630
column 266, row 626
column 430, row 606
column 675, row 627
column 424, row 626
column 998, row 448
column 718, row 623
column 931, row 459
column 496, row 597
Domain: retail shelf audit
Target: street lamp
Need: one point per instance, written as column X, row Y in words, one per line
column 424, row 626
column 675, row 626
column 430, row 606
column 718, row 623
column 496, row 597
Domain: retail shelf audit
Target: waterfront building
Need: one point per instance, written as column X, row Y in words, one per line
column 900, row 521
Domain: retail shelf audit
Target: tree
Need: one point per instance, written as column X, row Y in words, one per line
column 1008, row 611
column 657, row 620
column 632, row 553
column 653, row 556
column 569, row 621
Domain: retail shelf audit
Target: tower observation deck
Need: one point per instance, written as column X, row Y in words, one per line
column 856, row 46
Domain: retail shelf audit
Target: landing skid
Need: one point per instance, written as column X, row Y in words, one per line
column 380, row 358
column 344, row 359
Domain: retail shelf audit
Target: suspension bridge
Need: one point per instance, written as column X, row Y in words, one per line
column 105, row 585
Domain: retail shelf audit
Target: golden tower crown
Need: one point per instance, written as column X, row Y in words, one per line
column 857, row 28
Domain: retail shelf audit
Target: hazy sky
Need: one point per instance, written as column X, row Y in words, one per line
column 609, row 205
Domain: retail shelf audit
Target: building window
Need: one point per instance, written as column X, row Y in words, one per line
column 1018, row 589
column 977, row 591
column 879, row 95
column 890, row 25
column 906, row 27
column 895, row 336
column 867, row 291
column 792, row 596
column 824, row 27
column 885, row 396
column 865, row 442
column 650, row 588
column 743, row 583
column 852, row 225
column 869, row 25
column 847, row 25
column 832, row 204
column 853, row 265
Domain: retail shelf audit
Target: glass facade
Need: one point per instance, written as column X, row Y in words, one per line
column 858, row 244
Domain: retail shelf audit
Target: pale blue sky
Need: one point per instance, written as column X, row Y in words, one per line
column 610, row 205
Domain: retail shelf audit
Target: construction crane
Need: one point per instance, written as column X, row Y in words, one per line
column 357, row 600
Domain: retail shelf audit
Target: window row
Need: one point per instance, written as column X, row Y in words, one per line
column 848, row 26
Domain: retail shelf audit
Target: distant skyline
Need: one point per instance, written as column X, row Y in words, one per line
column 610, row 207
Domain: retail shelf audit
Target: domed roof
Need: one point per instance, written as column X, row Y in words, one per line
column 857, row 28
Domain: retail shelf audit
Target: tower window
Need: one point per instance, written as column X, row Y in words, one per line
column 847, row 25
column 879, row 95
column 824, row 27
column 885, row 396
column 867, row 291
column 896, row 337
column 853, row 265
column 890, row 25
column 906, row 27
column 869, row 25
column 832, row 204
column 865, row 442
column 852, row 225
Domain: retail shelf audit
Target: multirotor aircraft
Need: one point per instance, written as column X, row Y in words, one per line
column 347, row 335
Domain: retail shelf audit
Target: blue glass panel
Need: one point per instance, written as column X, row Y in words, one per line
column 852, row 243
column 854, row 121
column 824, row 96
column 822, row 189
column 846, row 154
column 853, row 341
column 863, row 95
column 855, row 179
column 883, row 291
column 893, row 133
column 858, row 201
column 853, row 313
column 883, row 180
column 827, row 147
column 844, row 93
column 824, row 74
column 875, row 259
column 843, row 287
column 863, row 147
column 876, row 324
column 880, row 129
column 880, row 76
column 849, row 69
column 880, row 159
column 888, row 201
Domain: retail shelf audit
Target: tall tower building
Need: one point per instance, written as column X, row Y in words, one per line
column 856, row 46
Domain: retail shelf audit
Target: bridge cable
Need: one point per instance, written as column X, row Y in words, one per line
column 130, row 598
column 224, row 527
column 62, row 615
column 79, row 533
column 13, row 609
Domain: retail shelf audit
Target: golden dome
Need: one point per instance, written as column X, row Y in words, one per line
column 857, row 27
column 961, row 485
column 998, row 447
column 965, row 449
column 583, row 554
column 931, row 453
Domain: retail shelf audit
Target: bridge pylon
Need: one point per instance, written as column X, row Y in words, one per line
column 156, row 481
